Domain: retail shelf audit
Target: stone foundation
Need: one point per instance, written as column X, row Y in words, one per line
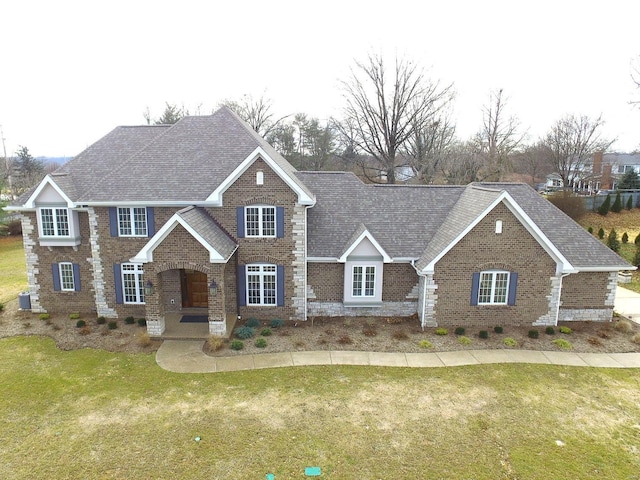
column 585, row 314
column 387, row 309
column 218, row 328
column 155, row 328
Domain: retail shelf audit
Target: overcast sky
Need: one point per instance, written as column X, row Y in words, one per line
column 72, row 71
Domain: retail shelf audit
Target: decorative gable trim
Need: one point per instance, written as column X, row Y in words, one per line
column 47, row 181
column 216, row 197
column 145, row 255
column 563, row 265
column 365, row 234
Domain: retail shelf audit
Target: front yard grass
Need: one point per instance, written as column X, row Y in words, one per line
column 13, row 269
column 93, row 414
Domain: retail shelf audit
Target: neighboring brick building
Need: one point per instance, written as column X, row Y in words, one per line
column 205, row 216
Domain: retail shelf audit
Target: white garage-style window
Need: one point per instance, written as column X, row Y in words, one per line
column 493, row 288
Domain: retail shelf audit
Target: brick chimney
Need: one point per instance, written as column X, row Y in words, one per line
column 606, row 177
column 597, row 163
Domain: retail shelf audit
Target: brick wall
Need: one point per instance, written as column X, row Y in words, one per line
column 482, row 249
column 398, row 281
column 327, row 281
column 585, row 290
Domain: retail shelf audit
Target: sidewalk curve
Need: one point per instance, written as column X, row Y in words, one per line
column 187, row 356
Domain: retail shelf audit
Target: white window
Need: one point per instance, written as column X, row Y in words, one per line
column 261, row 285
column 260, row 221
column 493, row 288
column 132, row 221
column 498, row 226
column 259, row 177
column 364, row 281
column 132, row 283
column 54, row 222
column 67, row 282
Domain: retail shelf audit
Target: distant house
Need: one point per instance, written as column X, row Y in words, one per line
column 205, row 216
column 601, row 172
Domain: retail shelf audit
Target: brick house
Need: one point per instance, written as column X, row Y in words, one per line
column 205, row 217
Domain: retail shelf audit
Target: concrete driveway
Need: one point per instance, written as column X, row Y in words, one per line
column 627, row 304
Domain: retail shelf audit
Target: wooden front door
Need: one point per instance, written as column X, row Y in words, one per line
column 195, row 289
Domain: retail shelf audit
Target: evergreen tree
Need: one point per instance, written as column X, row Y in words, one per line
column 612, row 240
column 637, row 240
column 617, row 204
column 601, row 233
column 629, row 181
column 629, row 205
column 625, row 237
column 606, row 205
column 636, row 259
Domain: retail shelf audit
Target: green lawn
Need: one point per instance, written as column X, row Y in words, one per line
column 93, row 414
column 13, row 269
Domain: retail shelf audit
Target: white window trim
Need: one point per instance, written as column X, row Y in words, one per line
column 262, row 274
column 494, row 275
column 134, row 232
column 363, row 281
column 374, row 300
column 261, row 209
column 61, row 277
column 54, row 215
column 138, row 275
column 57, row 240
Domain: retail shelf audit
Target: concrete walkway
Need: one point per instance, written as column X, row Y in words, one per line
column 187, row 356
column 627, row 304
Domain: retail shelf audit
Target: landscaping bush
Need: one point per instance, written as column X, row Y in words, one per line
column 533, row 334
column 425, row 344
column 112, row 325
column 81, row 323
column 84, row 330
column 629, row 204
column 601, row 233
column 565, row 330
column 606, row 205
column 345, row 340
column 101, row 320
column 261, row 343
column 595, row 341
column 245, row 332
column 510, row 342
column 464, row 340
column 637, row 239
column 498, row 329
column 142, row 322
column 484, row 334
column 563, row 344
column 623, row 326
column 237, row 345
column 636, row 258
column 265, row 332
column 459, row 331
column 636, row 338
column 612, row 241
column 214, row 343
column 44, row 316
column 252, row 322
column 276, row 323
column 550, row 330
column 129, row 320
column 569, row 203
column 1, row 307
column 590, row 230
column 617, row 204
column 369, row 330
column 143, row 339
column 74, row 316
column 625, row 238
column 441, row 331
column 401, row 335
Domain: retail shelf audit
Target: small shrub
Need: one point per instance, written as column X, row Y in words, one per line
column 595, row 341
column 369, row 330
column 81, row 323
column 612, row 240
column 625, row 238
column 56, row 327
column 26, row 324
column 237, row 345
column 601, row 233
column 276, row 323
column 252, row 322
column 550, row 330
column 401, row 335
column 441, row 331
column 484, row 334
column 261, row 342
column 533, row 334
column 84, row 330
column 606, row 205
column 345, row 340
column 142, row 322
column 143, row 339
column 623, row 326
column 425, row 344
column 101, row 320
column 74, row 316
column 112, row 325
column 637, row 239
column 617, row 204
column 464, row 340
column 265, row 332
column 498, row 329
column 300, row 344
column 44, row 316
column 604, row 334
column 48, row 322
column 1, row 307
column 590, row 230
column 214, row 343
column 459, row 331
column 565, row 330
column 329, row 331
column 563, row 344
column 394, row 320
column 245, row 332
column 629, row 204
column 129, row 320
column 636, row 338
column 510, row 342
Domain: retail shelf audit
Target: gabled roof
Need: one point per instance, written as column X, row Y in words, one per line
column 361, row 233
column 202, row 227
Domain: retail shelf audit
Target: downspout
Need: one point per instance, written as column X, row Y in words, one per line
column 424, row 293
column 559, row 297
column 306, row 263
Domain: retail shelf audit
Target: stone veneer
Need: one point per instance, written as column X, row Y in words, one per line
column 299, row 264
column 338, row 309
column 98, row 282
column 29, row 229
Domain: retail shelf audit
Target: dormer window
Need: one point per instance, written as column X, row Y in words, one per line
column 58, row 226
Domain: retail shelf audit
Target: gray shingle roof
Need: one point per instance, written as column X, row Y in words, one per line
column 209, row 230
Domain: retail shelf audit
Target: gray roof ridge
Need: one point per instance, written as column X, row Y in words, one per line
column 411, row 185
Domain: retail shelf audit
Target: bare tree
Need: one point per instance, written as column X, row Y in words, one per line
column 256, row 112
column 534, row 160
column 462, row 163
column 386, row 111
column 428, row 147
column 498, row 138
column 635, row 76
column 572, row 141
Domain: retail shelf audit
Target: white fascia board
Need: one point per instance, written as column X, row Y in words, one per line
column 16, row 208
column 322, row 259
column 385, row 257
column 31, row 201
column 215, row 199
column 617, row 268
column 145, row 255
column 563, row 264
column 144, row 203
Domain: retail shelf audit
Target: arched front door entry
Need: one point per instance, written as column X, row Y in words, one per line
column 195, row 289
